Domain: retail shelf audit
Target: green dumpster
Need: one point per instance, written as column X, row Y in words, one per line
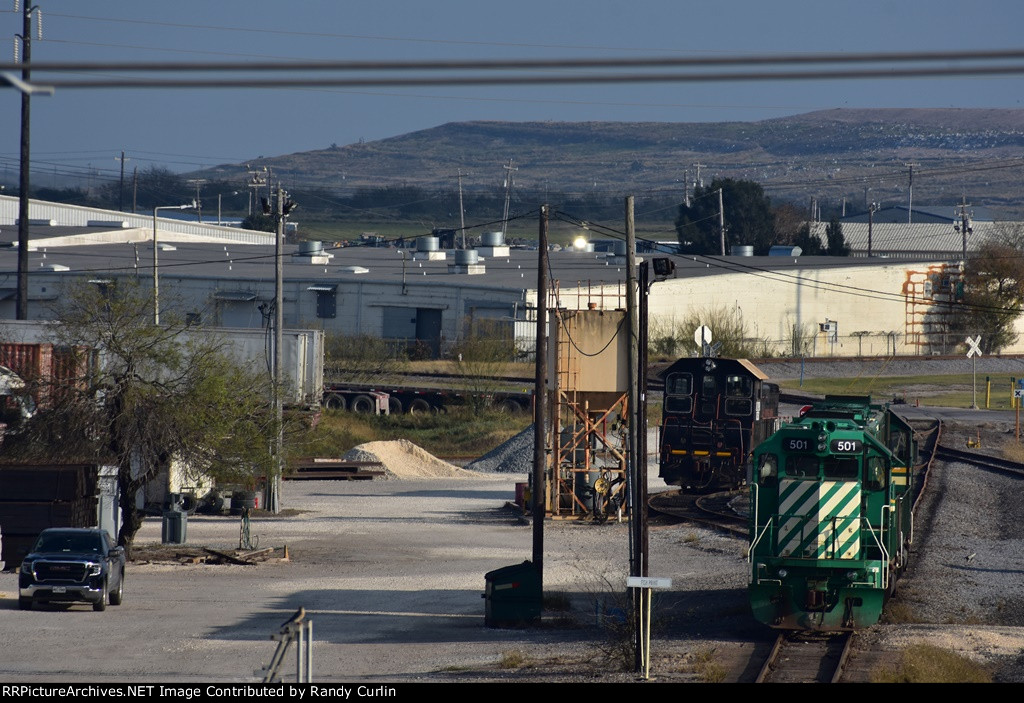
column 513, row 595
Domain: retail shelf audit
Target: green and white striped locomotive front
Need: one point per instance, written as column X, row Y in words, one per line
column 820, row 503
column 818, row 578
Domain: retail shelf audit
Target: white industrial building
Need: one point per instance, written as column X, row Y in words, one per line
column 221, row 276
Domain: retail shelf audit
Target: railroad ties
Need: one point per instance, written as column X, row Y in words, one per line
column 320, row 469
column 807, row 658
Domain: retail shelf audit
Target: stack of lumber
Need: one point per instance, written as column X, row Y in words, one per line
column 34, row 497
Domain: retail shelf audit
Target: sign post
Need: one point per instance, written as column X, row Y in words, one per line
column 974, row 351
column 645, row 584
column 1018, row 393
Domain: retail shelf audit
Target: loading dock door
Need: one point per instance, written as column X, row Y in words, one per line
column 415, row 325
column 428, row 329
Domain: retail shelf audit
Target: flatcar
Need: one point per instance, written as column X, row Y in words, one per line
column 715, row 412
column 830, row 516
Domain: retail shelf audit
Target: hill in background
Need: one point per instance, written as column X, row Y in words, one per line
column 856, row 154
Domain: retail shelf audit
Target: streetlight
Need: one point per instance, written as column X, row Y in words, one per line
column 156, row 274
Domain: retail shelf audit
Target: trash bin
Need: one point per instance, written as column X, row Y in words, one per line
column 513, row 595
column 175, row 522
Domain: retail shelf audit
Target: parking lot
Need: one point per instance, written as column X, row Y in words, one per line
column 390, row 572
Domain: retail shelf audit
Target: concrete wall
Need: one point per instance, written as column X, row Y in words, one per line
column 893, row 303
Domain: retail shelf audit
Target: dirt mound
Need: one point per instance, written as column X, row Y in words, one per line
column 403, row 459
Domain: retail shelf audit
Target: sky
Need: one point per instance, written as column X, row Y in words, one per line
column 80, row 130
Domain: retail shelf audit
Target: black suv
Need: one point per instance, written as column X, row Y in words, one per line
column 72, row 564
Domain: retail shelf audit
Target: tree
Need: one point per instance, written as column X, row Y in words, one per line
column 993, row 293
column 809, row 243
column 836, row 242
column 258, row 222
column 157, row 394
column 747, row 213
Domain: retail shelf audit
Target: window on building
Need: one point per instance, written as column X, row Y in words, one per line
column 326, row 301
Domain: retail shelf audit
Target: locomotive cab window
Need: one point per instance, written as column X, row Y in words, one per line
column 802, row 466
column 739, row 386
column 678, row 387
column 875, row 474
column 768, row 468
column 842, row 467
column 739, row 391
column 679, row 384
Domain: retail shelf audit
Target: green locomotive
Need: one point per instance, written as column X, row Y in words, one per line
column 830, row 515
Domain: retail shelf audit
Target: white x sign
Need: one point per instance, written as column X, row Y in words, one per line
column 974, row 348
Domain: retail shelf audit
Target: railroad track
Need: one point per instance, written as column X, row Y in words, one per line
column 807, row 658
column 984, row 461
column 712, row 510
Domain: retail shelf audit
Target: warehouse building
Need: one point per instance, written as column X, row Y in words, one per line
column 429, row 298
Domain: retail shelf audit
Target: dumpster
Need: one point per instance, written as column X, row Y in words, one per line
column 513, row 595
column 175, row 522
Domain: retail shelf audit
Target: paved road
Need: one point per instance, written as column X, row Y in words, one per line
column 391, row 573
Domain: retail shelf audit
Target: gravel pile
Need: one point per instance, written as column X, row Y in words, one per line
column 403, row 459
column 512, row 457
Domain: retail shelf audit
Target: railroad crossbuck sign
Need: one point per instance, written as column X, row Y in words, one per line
column 974, row 349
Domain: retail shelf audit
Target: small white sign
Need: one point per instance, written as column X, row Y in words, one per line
column 1018, row 392
column 647, row 582
column 702, row 335
column 975, row 349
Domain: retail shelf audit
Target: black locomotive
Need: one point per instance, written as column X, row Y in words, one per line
column 715, row 412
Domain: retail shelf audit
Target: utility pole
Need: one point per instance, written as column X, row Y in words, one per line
column 21, row 303
column 540, row 399
column 462, row 212
column 257, row 179
column 910, row 198
column 284, row 206
column 964, row 227
column 198, row 183
column 698, row 182
column 508, row 195
column 635, row 553
column 274, row 500
column 721, row 221
column 120, row 192
column 871, row 223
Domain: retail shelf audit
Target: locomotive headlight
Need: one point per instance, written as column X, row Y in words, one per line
column 851, row 575
column 822, row 437
column 822, row 446
column 783, row 573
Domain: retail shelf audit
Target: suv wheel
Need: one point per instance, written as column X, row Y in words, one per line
column 25, row 603
column 101, row 604
column 117, row 596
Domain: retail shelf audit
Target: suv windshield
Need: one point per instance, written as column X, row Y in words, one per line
column 68, row 542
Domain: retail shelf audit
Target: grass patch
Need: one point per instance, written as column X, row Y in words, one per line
column 514, row 659
column 1013, row 451
column 457, row 433
column 952, row 390
column 557, row 601
column 706, row 667
column 900, row 613
column 925, row 663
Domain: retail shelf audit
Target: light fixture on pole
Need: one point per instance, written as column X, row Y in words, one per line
column 156, row 270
